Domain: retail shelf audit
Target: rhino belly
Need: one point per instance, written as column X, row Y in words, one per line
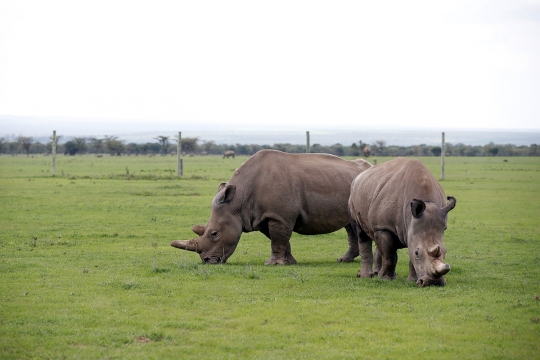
column 326, row 225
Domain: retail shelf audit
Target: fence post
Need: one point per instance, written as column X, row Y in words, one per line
column 307, row 142
column 443, row 151
column 180, row 171
column 54, row 153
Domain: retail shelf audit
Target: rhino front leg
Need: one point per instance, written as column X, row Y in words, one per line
column 353, row 251
column 412, row 272
column 280, row 235
column 388, row 253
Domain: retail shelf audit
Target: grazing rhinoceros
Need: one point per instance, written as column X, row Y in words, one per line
column 400, row 204
column 367, row 151
column 277, row 193
column 228, row 153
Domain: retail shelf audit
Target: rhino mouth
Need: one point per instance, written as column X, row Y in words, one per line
column 427, row 280
column 219, row 257
column 213, row 260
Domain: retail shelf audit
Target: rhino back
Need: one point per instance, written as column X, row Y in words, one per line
column 309, row 192
column 381, row 196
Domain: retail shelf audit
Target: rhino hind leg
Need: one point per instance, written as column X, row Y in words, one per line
column 281, row 248
column 353, row 251
column 366, row 255
column 388, row 253
column 377, row 261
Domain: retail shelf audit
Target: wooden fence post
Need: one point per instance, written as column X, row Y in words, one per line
column 443, row 151
column 307, row 142
column 180, row 171
column 54, row 153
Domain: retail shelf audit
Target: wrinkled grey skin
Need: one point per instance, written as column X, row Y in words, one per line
column 277, row 193
column 400, row 204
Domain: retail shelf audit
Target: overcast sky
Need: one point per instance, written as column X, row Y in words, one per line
column 452, row 64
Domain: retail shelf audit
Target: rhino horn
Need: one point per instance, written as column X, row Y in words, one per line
column 440, row 268
column 189, row 245
column 451, row 204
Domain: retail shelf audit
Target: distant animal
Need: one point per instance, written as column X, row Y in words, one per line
column 367, row 151
column 400, row 204
column 228, row 153
column 277, row 193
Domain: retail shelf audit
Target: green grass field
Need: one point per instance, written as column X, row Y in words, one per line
column 87, row 271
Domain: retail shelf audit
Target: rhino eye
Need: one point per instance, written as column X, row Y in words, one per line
column 214, row 233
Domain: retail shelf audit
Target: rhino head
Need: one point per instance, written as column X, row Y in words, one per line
column 425, row 242
column 218, row 239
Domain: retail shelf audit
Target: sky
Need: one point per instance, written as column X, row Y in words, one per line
column 270, row 64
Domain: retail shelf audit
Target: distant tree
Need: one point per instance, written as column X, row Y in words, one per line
column 317, row 148
column 114, row 145
column 164, row 142
column 153, row 148
column 71, row 148
column 142, row 148
column 25, row 142
column 97, row 144
column 2, row 142
column 189, row 144
column 507, row 150
column 132, row 148
column 354, row 150
column 436, row 151
column 243, row 149
column 337, row 149
column 473, row 150
column 493, row 151
column 81, row 143
column 379, row 146
column 208, row 145
column 13, row 147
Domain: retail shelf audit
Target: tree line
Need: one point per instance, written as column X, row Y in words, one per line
column 165, row 145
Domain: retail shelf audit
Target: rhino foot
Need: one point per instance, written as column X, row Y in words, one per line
column 365, row 274
column 346, row 258
column 387, row 276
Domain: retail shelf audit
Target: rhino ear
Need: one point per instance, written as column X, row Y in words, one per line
column 417, row 208
column 227, row 194
column 221, row 186
column 198, row 229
